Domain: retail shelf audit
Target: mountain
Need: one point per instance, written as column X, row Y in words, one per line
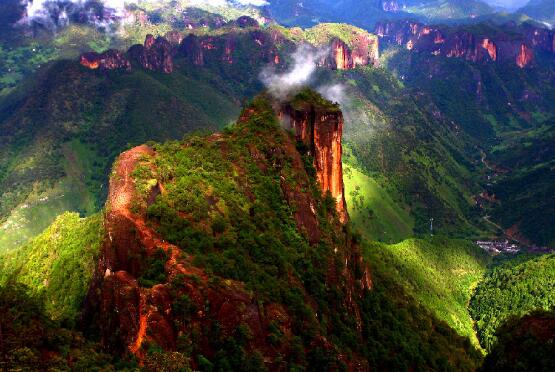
column 330, row 227
column 61, row 162
column 476, row 78
column 524, row 341
column 188, row 274
column 540, row 10
column 366, row 13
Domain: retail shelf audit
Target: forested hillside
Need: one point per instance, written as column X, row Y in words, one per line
column 513, row 289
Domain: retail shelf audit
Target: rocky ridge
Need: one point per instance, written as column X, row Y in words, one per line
column 132, row 316
column 520, row 50
column 266, row 46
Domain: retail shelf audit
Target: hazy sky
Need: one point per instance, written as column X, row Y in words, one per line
column 508, row 3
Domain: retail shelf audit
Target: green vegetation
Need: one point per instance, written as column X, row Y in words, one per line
column 58, row 264
column 439, row 273
column 322, row 33
column 513, row 289
column 448, row 9
column 540, row 10
column 524, row 344
column 207, row 210
column 425, row 164
column 225, row 203
column 517, row 145
column 373, row 211
column 404, row 334
column 57, row 159
column 527, row 190
column 30, row 339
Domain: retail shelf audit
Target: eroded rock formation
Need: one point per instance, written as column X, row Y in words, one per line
column 321, row 130
column 156, row 54
column 109, row 60
column 363, row 51
column 130, row 315
column 518, row 47
column 253, row 46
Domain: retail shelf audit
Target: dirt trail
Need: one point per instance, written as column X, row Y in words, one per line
column 120, row 202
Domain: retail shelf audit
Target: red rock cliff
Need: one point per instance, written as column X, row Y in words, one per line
column 362, row 52
column 518, row 46
column 321, row 131
column 156, row 54
column 109, row 60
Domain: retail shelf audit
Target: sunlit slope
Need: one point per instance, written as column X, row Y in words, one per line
column 58, row 264
column 373, row 210
column 439, row 273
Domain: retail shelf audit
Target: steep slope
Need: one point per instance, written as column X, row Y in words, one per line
column 57, row 265
column 524, row 343
column 523, row 192
column 31, row 339
column 439, row 273
column 366, row 13
column 506, row 111
column 61, row 133
column 513, row 289
column 423, row 162
column 194, row 213
column 540, row 10
column 59, row 159
column 223, row 249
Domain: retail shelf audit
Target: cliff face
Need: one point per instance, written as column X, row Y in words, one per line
column 255, row 47
column 156, row 54
column 188, row 303
column 363, row 51
column 321, row 131
column 109, row 60
column 518, row 48
column 252, row 46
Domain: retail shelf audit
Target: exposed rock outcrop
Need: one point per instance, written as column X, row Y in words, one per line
column 518, row 47
column 109, row 60
column 200, row 50
column 363, row 51
column 321, row 129
column 156, row 54
column 252, row 45
column 246, row 22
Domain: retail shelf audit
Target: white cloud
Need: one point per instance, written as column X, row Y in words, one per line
column 54, row 12
column 305, row 59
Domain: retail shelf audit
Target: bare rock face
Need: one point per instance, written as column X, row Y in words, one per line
column 192, row 50
column 362, row 52
column 202, row 50
column 321, row 131
column 518, row 48
column 525, row 56
column 109, row 60
column 156, row 54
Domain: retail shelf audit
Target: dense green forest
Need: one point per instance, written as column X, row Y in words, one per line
column 513, row 289
column 439, row 273
column 519, row 156
column 57, row 265
column 31, row 339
